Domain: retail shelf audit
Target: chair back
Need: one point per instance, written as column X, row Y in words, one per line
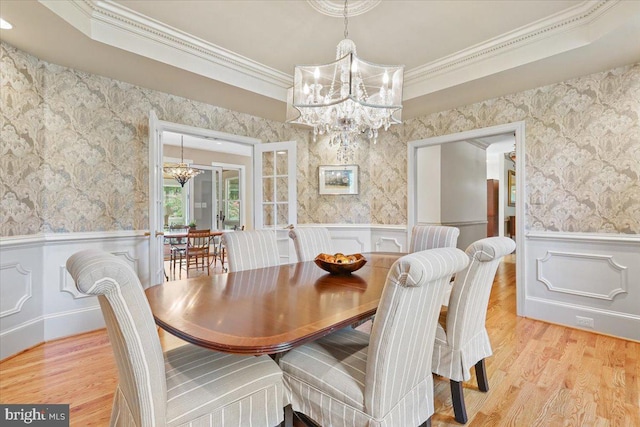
column 403, row 333
column 469, row 299
column 310, row 242
column 251, row 249
column 198, row 240
column 131, row 330
column 425, row 237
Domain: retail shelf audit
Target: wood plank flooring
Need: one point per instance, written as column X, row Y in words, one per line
column 540, row 374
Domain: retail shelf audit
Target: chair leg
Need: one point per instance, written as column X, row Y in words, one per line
column 288, row 416
column 457, row 396
column 481, row 376
column 426, row 423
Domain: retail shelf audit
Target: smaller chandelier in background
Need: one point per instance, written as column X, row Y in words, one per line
column 347, row 98
column 181, row 172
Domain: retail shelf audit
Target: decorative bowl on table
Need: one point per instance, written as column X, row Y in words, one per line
column 339, row 263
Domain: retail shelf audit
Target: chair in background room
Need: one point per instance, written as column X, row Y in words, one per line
column 167, row 255
column 197, row 251
column 188, row 385
column 310, row 242
column 178, row 245
column 463, row 340
column 350, row 378
column 251, row 249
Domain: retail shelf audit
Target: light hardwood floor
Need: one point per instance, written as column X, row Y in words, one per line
column 540, row 374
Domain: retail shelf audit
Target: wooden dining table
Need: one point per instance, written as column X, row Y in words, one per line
column 268, row 310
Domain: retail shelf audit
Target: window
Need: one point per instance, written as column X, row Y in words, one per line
column 231, row 200
column 175, row 198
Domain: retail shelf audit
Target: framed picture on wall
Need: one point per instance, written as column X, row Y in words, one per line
column 511, row 187
column 339, row 179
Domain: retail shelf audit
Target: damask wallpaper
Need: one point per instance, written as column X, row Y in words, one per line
column 74, row 151
column 582, row 140
column 22, row 136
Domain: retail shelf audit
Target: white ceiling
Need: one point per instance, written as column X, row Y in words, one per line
column 206, row 144
column 240, row 54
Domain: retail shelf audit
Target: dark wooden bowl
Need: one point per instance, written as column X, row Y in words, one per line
column 340, row 268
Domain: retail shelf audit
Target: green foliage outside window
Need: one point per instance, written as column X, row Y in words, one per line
column 173, row 204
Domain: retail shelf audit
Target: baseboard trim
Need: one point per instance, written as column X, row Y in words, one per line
column 606, row 322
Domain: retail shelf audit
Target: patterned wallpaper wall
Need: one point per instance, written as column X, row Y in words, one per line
column 77, row 160
column 21, row 144
column 74, row 151
column 582, row 140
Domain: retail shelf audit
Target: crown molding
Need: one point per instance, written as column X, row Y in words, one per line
column 113, row 24
column 335, row 8
column 570, row 29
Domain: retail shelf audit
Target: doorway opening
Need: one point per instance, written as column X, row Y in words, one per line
column 428, row 176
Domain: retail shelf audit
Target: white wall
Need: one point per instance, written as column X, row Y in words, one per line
column 429, row 184
column 493, row 166
column 464, row 190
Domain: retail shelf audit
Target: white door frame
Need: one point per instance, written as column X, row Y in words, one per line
column 518, row 129
column 156, row 229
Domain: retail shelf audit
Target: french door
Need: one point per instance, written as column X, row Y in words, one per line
column 276, row 191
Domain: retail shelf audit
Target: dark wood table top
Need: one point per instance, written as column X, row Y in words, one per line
column 268, row 310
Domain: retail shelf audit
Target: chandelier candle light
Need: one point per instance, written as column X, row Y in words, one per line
column 346, row 98
column 181, row 172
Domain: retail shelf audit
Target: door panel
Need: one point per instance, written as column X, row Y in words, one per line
column 275, row 191
column 156, row 209
column 203, row 206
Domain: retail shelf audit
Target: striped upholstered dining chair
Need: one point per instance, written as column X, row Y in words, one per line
column 188, row 385
column 425, row 237
column 463, row 341
column 251, row 249
column 310, row 242
column 349, row 378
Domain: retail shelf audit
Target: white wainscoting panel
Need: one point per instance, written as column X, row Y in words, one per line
column 15, row 287
column 21, row 323
column 55, row 308
column 361, row 238
column 595, row 275
column 584, row 280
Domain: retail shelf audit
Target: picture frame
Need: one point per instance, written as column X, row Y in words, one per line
column 338, row 179
column 511, row 188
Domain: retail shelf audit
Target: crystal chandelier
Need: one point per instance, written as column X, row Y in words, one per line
column 181, row 172
column 346, row 98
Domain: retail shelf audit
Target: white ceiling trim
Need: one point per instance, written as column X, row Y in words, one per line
column 118, row 26
column 121, row 27
column 567, row 30
column 335, row 8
